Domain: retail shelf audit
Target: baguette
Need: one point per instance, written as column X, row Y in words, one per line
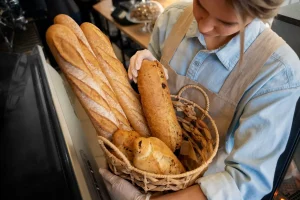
column 95, row 69
column 69, row 56
column 153, row 155
column 157, row 104
column 117, row 77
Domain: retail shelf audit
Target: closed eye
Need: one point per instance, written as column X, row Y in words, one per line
column 220, row 20
column 228, row 23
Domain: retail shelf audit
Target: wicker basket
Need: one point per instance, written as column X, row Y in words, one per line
column 205, row 147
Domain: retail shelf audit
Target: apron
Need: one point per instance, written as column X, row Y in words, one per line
column 222, row 104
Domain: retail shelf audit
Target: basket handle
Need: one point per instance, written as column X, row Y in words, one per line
column 102, row 140
column 207, row 104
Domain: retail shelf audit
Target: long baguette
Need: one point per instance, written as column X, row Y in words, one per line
column 157, row 104
column 117, row 77
column 94, row 67
column 68, row 54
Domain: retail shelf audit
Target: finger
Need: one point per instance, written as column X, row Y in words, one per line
column 148, row 55
column 129, row 74
column 138, row 62
column 135, row 79
column 134, row 73
column 166, row 73
column 111, row 178
column 108, row 185
column 148, row 196
column 131, row 66
column 143, row 55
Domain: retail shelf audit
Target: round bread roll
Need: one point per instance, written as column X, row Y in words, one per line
column 124, row 141
column 153, row 155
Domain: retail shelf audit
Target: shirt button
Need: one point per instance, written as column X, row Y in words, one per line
column 196, row 63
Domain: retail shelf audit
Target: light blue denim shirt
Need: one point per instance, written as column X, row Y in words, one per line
column 262, row 122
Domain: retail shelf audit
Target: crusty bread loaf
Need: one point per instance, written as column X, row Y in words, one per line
column 153, row 155
column 72, row 61
column 157, row 104
column 99, row 39
column 71, row 24
column 124, row 141
column 117, row 77
column 93, row 66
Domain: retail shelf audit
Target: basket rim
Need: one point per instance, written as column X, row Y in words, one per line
column 103, row 140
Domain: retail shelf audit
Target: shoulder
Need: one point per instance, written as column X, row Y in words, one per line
column 178, row 6
column 284, row 65
column 170, row 15
column 163, row 26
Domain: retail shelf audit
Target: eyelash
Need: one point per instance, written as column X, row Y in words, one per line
column 225, row 24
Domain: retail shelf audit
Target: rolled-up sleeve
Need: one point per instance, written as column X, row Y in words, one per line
column 260, row 137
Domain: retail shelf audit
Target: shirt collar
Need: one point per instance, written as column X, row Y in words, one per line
column 229, row 60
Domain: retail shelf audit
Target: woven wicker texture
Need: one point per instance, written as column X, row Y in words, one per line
column 199, row 130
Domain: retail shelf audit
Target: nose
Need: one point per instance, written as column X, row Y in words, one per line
column 205, row 24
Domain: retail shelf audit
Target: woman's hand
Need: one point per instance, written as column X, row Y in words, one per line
column 119, row 189
column 136, row 63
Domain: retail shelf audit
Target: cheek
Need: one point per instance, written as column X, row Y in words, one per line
column 196, row 12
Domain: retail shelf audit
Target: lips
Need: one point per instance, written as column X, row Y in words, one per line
column 207, row 34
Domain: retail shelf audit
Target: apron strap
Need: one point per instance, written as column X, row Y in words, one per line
column 177, row 34
column 255, row 57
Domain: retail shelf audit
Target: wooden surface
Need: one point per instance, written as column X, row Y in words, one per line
column 133, row 31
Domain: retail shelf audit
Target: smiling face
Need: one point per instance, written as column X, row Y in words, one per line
column 216, row 18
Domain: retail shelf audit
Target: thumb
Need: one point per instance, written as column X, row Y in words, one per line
column 166, row 72
column 108, row 176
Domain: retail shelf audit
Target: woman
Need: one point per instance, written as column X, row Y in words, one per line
column 253, row 91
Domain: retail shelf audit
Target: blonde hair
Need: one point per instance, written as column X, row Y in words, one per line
column 262, row 9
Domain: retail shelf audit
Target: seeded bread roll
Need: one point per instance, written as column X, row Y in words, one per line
column 153, row 155
column 157, row 104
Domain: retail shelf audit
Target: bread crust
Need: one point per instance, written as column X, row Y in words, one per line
column 124, row 141
column 93, row 66
column 153, row 155
column 67, row 52
column 117, row 77
column 157, row 104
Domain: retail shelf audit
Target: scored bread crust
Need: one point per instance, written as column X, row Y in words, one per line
column 68, row 54
column 93, row 66
column 117, row 77
column 157, row 104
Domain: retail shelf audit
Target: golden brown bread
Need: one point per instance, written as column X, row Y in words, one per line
column 93, row 66
column 157, row 104
column 124, row 141
column 153, row 155
column 71, row 24
column 99, row 39
column 72, row 61
column 117, row 77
